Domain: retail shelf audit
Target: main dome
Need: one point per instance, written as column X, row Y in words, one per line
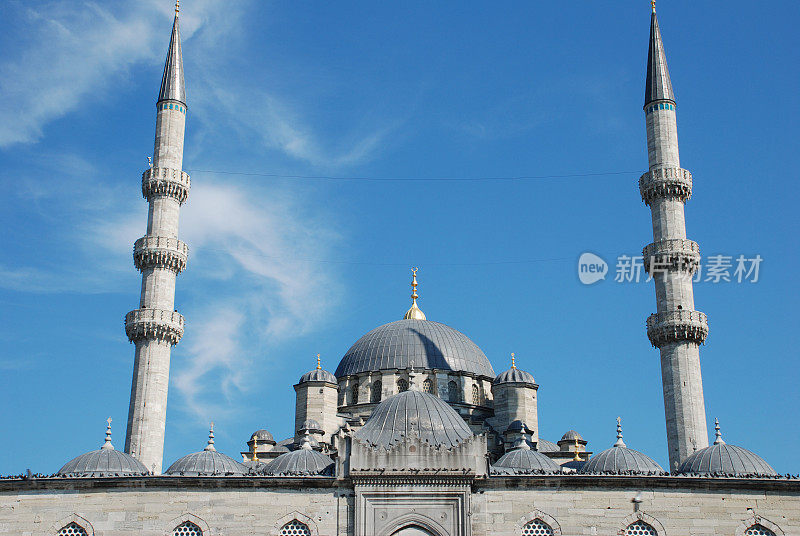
column 423, row 343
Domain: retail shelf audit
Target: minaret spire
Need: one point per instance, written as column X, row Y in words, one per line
column 156, row 325
column 414, row 313
column 676, row 329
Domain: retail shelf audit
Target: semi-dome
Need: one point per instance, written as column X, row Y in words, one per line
column 524, row 460
column 418, row 343
column 726, row 460
column 301, row 462
column 414, row 413
column 621, row 460
column 206, row 462
column 106, row 461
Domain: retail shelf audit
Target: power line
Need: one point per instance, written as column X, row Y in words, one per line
column 395, row 179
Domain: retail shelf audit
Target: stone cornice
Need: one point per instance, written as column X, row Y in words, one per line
column 673, row 254
column 165, row 182
column 160, row 252
column 677, row 326
column 673, row 182
column 154, row 324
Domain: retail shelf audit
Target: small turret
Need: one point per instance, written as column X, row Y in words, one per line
column 317, row 396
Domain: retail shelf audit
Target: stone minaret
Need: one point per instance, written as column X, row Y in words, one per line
column 676, row 329
column 155, row 327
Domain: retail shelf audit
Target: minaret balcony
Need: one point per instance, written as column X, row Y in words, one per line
column 678, row 325
column 672, row 254
column 167, row 182
column 154, row 324
column 667, row 182
column 160, row 252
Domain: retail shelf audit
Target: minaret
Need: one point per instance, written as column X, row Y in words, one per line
column 155, row 327
column 676, row 329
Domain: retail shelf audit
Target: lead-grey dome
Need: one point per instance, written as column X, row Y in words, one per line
column 621, row 460
column 207, row 462
column 311, row 425
column 414, row 413
column 514, row 375
column 525, row 460
column 571, row 435
column 543, row 445
column 426, row 344
column 721, row 459
column 301, row 462
column 263, row 436
column 103, row 462
column 318, row 375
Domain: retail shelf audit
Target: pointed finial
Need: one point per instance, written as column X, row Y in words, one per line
column 653, row 5
column 178, row 7
column 210, row 445
column 513, row 360
column 255, row 446
column 107, row 445
column 718, row 440
column 577, row 457
column 414, row 313
column 620, row 442
column 305, row 443
column 319, row 363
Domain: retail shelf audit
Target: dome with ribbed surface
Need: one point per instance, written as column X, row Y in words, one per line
column 207, row 462
column 301, row 462
column 263, row 436
column 311, row 425
column 514, row 375
column 572, row 435
column 524, row 460
column 621, row 460
column 414, row 413
column 543, row 445
column 423, row 343
column 318, row 375
column 726, row 460
column 103, row 462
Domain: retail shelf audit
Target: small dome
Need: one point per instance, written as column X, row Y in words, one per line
column 317, row 375
column 301, row 462
column 572, row 435
column 414, row 413
column 311, row 425
column 525, row 460
column 543, row 445
column 721, row 459
column 206, row 462
column 103, row 462
column 262, row 436
column 423, row 343
column 622, row 461
column 518, row 426
column 514, row 375
column 575, row 465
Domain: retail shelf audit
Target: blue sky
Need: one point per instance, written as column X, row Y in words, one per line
column 282, row 268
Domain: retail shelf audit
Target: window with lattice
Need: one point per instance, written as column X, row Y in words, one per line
column 354, row 394
column 427, row 386
column 295, row 528
column 453, row 393
column 640, row 528
column 402, row 385
column 73, row 529
column 187, row 528
column 377, row 387
column 758, row 530
column 476, row 395
column 537, row 527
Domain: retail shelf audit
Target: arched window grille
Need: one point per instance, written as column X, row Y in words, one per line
column 758, row 530
column 476, row 395
column 377, row 387
column 427, row 386
column 453, row 393
column 354, row 394
column 187, row 528
column 402, row 385
column 537, row 527
column 73, row 529
column 640, row 528
column 295, row 528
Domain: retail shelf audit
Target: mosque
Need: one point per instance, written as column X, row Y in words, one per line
column 414, row 434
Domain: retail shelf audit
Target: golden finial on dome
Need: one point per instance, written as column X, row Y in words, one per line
column 414, row 313
column 653, row 5
column 255, row 447
column 577, row 457
column 513, row 360
column 319, row 364
column 177, row 7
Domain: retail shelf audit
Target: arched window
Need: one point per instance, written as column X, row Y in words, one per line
column 758, row 530
column 295, row 528
column 427, row 386
column 476, row 395
column 537, row 527
column 402, row 385
column 377, row 387
column 640, row 528
column 453, row 393
column 187, row 528
column 73, row 529
column 354, row 394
